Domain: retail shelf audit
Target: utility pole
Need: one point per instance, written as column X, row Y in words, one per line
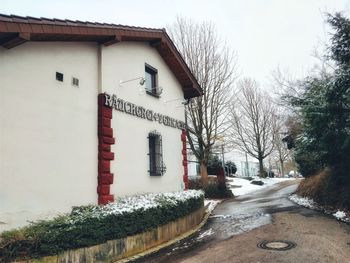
column 223, row 158
column 246, row 164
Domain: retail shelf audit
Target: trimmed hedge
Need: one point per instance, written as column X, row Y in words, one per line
column 212, row 190
column 217, row 191
column 91, row 225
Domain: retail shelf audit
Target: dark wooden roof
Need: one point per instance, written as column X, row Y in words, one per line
column 16, row 30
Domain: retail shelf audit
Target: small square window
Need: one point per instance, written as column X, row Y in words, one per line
column 151, row 80
column 59, row 76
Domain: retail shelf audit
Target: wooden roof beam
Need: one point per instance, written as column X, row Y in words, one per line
column 15, row 40
column 113, row 40
column 156, row 42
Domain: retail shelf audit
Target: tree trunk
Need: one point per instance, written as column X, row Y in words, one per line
column 261, row 168
column 204, row 173
column 282, row 168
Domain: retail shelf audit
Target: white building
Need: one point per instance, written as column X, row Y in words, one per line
column 246, row 165
column 61, row 146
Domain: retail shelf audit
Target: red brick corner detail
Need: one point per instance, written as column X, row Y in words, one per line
column 184, row 158
column 105, row 155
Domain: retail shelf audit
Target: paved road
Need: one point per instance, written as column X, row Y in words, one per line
column 237, row 226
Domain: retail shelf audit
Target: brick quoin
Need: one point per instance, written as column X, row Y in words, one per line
column 105, row 139
column 184, row 159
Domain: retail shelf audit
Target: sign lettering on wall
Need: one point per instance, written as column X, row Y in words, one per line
column 141, row 112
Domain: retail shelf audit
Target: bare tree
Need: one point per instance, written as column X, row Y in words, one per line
column 286, row 88
column 213, row 65
column 253, row 122
column 281, row 151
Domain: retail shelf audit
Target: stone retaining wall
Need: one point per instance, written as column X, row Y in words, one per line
column 114, row 250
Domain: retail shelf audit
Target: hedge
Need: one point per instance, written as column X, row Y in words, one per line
column 213, row 190
column 91, row 225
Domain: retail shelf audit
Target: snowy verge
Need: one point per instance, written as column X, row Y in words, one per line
column 309, row 203
column 211, row 203
column 130, row 204
column 240, row 186
column 97, row 224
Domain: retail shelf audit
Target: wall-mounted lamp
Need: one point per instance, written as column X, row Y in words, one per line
column 159, row 90
column 155, row 91
column 141, row 82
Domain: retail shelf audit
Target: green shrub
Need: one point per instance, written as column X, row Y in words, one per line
column 91, row 225
column 217, row 191
column 213, row 190
column 195, row 184
column 257, row 182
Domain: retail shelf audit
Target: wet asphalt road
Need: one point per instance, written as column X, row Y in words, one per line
column 234, row 217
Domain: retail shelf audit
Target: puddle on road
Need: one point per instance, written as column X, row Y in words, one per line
column 226, row 226
column 221, row 227
column 239, row 216
column 233, row 218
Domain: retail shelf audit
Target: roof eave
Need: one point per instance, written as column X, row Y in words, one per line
column 16, row 30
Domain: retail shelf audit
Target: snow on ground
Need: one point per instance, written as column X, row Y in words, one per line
column 209, row 232
column 339, row 215
column 212, row 203
column 303, row 201
column 240, row 186
column 309, row 203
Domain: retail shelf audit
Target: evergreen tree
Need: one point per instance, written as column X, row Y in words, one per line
column 325, row 111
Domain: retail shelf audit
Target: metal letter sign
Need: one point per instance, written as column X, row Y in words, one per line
column 141, row 112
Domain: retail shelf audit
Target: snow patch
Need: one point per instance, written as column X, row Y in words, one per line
column 130, row 204
column 339, row 214
column 221, row 216
column 240, row 186
column 303, row 201
column 206, row 233
column 211, row 204
column 309, row 203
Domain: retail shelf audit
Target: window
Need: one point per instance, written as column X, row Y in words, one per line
column 59, row 76
column 151, row 80
column 75, row 82
column 156, row 165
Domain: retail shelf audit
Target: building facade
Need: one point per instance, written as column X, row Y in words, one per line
column 88, row 112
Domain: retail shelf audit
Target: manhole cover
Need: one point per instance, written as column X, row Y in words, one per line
column 280, row 245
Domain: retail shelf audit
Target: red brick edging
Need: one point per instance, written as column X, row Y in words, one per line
column 184, row 158
column 105, row 155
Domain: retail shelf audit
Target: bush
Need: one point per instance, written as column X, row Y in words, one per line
column 257, row 182
column 213, row 190
column 247, row 178
column 195, row 184
column 91, row 225
column 216, row 191
column 325, row 191
column 214, row 163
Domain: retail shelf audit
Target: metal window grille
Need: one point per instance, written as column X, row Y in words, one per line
column 156, row 165
column 75, row 82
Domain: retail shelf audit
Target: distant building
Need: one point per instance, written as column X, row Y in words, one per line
column 246, row 165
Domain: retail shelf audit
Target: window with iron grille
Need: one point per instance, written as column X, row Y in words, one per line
column 156, row 165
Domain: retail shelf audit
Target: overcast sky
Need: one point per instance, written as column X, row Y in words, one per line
column 264, row 33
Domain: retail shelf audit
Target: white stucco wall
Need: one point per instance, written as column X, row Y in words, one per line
column 48, row 137
column 48, row 129
column 126, row 61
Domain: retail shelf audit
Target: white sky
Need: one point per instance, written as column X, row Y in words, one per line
column 264, row 33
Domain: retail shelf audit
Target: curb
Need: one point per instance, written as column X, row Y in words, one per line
column 169, row 243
